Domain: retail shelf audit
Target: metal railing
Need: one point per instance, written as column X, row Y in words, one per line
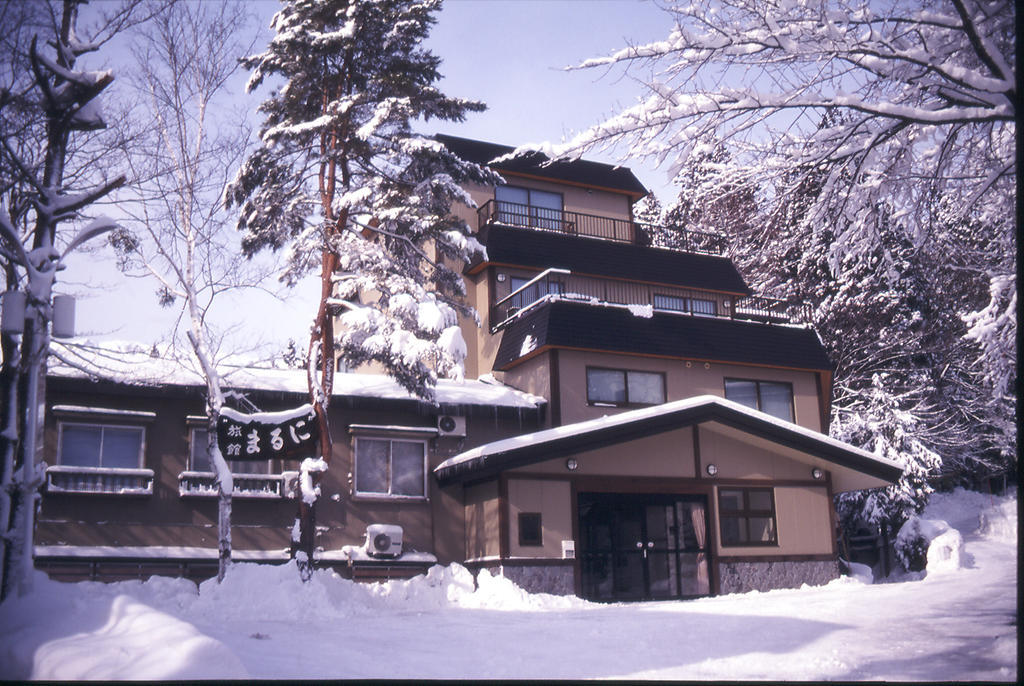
column 246, row 485
column 593, row 226
column 107, row 480
column 561, row 284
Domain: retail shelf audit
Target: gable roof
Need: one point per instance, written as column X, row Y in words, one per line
column 583, row 172
column 493, row 458
column 566, row 324
column 524, row 247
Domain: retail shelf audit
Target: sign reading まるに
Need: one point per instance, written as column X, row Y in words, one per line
column 289, row 435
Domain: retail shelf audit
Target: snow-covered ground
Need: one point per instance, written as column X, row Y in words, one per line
column 957, row 622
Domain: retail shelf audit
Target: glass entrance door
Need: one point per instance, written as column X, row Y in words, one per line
column 643, row 547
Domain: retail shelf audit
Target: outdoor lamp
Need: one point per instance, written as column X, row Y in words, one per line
column 712, row 470
column 817, row 473
column 571, row 464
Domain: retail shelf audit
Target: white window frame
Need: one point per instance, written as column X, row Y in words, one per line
column 389, row 495
column 101, row 425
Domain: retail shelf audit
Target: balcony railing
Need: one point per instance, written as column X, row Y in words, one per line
column 246, row 485
column 106, row 480
column 560, row 284
column 592, row 226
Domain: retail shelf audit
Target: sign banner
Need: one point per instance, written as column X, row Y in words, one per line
column 287, row 435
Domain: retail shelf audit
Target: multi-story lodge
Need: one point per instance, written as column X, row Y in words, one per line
column 637, row 425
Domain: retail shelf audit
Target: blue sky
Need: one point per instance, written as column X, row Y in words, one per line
column 507, row 53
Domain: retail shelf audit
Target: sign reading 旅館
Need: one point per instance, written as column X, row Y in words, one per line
column 288, row 435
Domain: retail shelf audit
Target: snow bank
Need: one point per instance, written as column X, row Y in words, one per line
column 92, row 630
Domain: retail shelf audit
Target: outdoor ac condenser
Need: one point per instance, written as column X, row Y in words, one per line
column 384, row 540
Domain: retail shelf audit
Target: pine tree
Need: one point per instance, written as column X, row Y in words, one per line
column 343, row 181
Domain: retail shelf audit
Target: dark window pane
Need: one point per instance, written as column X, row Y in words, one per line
column 407, row 468
column 199, row 453
column 777, row 400
column 513, row 205
column 670, row 302
column 646, row 388
column 732, row 530
column 730, row 500
column 121, row 447
column 762, row 529
column 371, row 466
column 80, row 445
column 606, row 386
column 700, row 306
column 742, row 392
column 531, row 532
column 760, row 500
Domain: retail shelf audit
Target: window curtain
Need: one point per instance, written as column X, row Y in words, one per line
column 698, row 517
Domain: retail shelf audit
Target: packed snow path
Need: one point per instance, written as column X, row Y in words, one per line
column 958, row 623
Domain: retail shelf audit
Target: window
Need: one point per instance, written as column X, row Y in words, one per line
column 100, row 445
column 619, row 387
column 771, row 397
column 677, row 303
column 199, row 457
column 531, row 533
column 747, row 516
column 391, row 468
column 529, row 207
column 533, row 293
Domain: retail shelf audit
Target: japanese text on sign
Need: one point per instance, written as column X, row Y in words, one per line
column 275, row 435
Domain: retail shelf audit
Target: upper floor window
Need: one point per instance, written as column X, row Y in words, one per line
column 533, row 293
column 621, row 387
column 100, row 445
column 529, row 207
column 747, row 516
column 388, row 467
column 678, row 303
column 771, row 397
column 199, row 456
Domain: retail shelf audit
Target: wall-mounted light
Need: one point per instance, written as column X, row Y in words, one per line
column 501, row 278
column 817, row 473
column 571, row 464
column 711, row 469
column 707, row 365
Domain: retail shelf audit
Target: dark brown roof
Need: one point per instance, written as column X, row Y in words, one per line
column 578, row 171
column 524, row 247
column 563, row 324
column 488, row 460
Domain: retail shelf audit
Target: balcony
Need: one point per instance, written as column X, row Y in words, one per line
column 592, row 226
column 99, row 480
column 204, row 484
column 643, row 300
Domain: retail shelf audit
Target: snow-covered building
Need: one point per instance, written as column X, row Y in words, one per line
column 639, row 425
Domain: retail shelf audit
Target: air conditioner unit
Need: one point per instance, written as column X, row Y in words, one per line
column 384, row 540
column 290, row 485
column 451, row 425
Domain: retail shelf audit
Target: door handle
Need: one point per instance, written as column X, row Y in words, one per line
column 650, row 544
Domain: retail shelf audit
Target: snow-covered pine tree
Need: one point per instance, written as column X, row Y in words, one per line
column 343, row 181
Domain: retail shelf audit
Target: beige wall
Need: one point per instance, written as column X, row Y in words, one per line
column 553, row 500
column 667, row 455
column 680, row 381
column 574, row 198
column 482, row 520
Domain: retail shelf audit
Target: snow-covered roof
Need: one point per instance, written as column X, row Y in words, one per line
column 135, row 365
column 492, row 458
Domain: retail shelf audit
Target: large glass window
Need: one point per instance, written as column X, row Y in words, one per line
column 199, row 457
column 390, row 468
column 678, row 303
column 771, row 397
column 747, row 516
column 529, row 207
column 100, row 445
column 621, row 387
column 533, row 293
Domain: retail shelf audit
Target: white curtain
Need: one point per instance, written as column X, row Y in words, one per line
column 699, row 519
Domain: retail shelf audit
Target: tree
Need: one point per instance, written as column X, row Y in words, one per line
column 927, row 92
column 880, row 141
column 54, row 104
column 342, row 180
column 179, row 231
